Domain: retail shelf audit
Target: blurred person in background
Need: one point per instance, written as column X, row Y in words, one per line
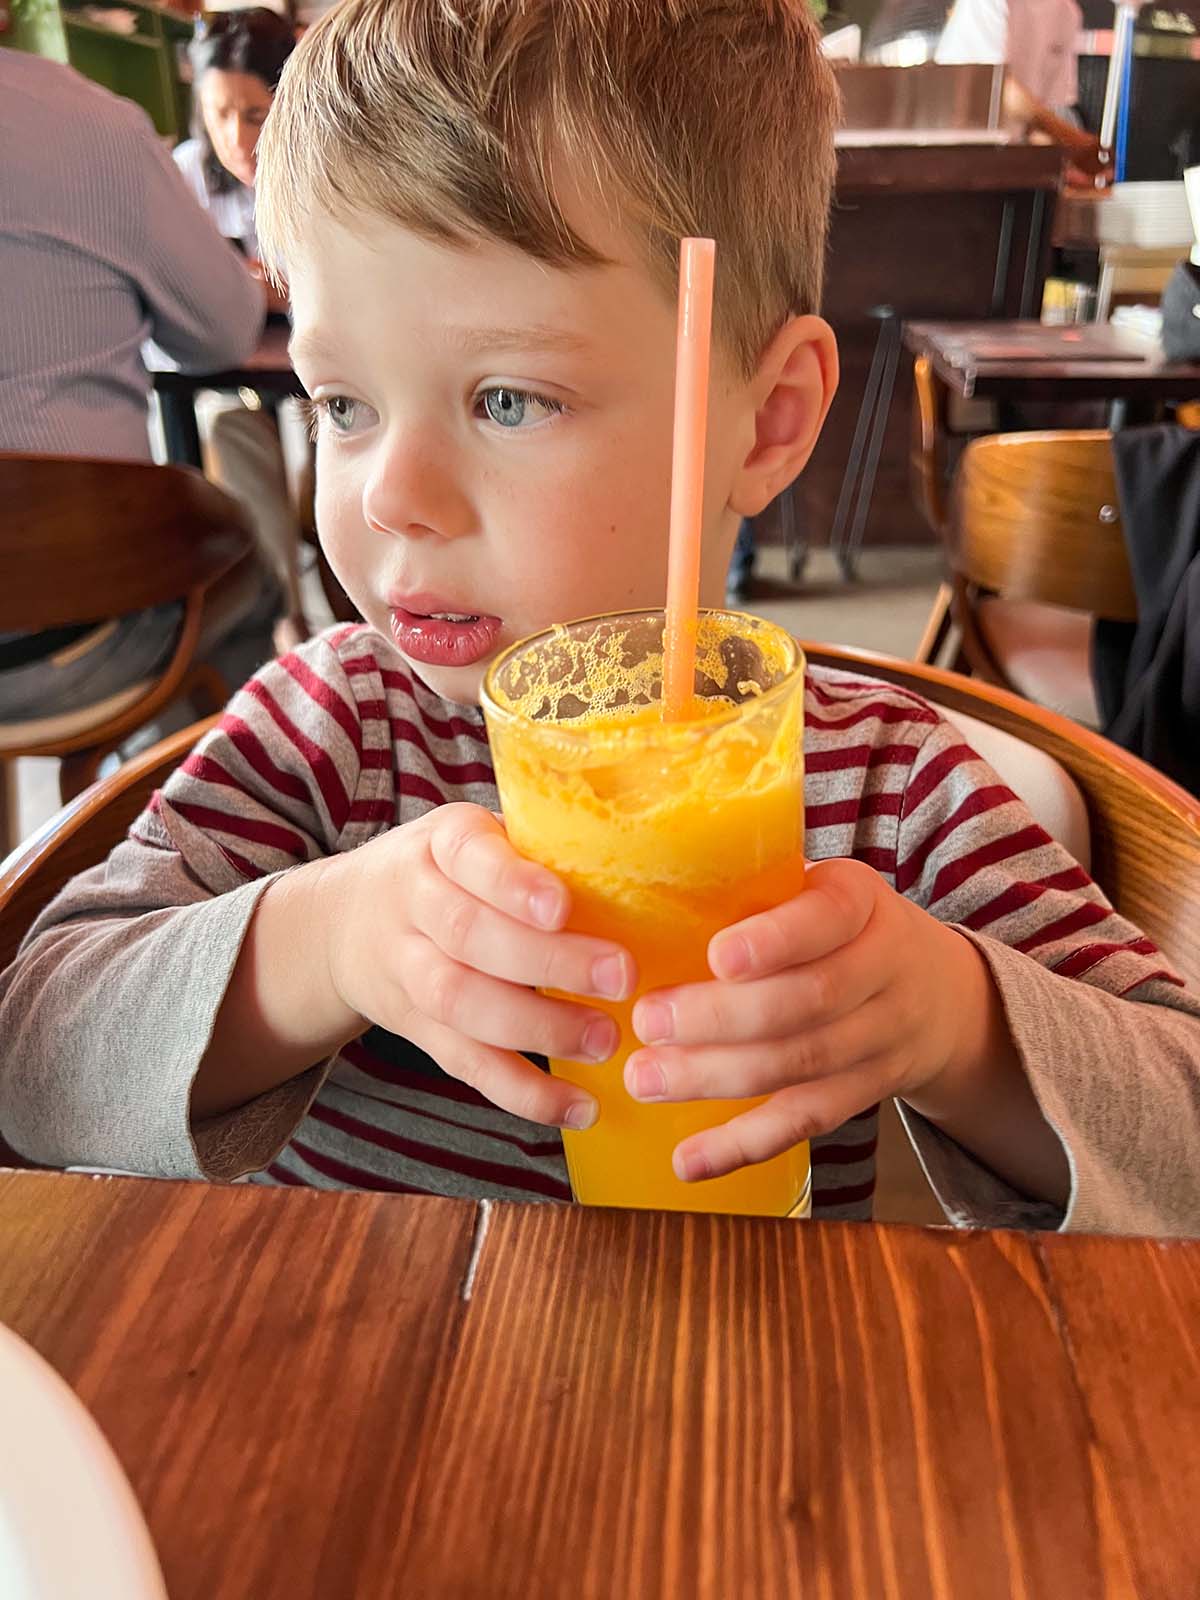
column 236, row 58
column 101, row 249
column 1038, row 41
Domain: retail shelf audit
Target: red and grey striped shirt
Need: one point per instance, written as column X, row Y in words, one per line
column 332, row 745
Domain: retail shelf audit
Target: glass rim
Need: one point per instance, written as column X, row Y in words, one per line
column 503, row 714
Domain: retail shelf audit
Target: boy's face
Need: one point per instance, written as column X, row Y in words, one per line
column 495, row 438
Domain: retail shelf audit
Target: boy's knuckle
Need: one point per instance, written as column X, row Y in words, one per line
column 460, row 922
column 809, row 1058
column 457, row 837
column 822, row 991
column 800, row 1120
column 528, row 1101
column 443, row 989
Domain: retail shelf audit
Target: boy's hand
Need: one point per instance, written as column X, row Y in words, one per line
column 440, row 931
column 845, row 995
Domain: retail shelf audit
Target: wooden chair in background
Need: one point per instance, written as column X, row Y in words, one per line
column 928, row 473
column 82, row 541
column 80, row 836
column 1036, row 554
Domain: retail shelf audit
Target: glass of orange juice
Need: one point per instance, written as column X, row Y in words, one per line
column 665, row 832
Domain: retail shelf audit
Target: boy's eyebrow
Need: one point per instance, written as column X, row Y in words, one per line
column 470, row 340
column 308, row 346
column 535, row 336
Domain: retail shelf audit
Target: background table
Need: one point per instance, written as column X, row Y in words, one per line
column 362, row 1395
column 268, row 371
column 1035, row 361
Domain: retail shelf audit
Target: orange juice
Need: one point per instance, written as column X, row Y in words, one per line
column 665, row 833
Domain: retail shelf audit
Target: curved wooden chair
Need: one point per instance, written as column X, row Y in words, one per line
column 82, row 541
column 1036, row 555
column 927, row 469
column 80, row 836
column 1144, row 829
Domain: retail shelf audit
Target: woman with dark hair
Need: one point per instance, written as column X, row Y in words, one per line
column 237, row 58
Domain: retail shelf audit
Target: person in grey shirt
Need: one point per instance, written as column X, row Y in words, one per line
column 101, row 248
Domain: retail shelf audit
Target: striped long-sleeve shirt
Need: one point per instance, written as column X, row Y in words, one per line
column 110, row 1004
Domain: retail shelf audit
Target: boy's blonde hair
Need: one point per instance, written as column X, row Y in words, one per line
column 454, row 118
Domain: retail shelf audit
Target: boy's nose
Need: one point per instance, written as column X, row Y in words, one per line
column 413, row 493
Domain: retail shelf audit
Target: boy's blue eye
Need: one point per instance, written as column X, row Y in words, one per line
column 340, row 410
column 505, row 406
column 510, row 408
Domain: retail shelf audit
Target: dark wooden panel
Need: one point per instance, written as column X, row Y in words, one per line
column 965, row 230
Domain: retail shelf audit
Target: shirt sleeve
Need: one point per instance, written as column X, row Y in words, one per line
column 205, row 309
column 1106, row 1033
column 109, row 1006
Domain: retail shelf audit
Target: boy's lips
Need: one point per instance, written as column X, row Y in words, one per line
column 439, row 632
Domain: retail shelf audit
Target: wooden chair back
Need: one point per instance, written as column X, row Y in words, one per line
column 82, row 834
column 1145, row 829
column 1036, row 517
column 926, row 461
column 82, row 541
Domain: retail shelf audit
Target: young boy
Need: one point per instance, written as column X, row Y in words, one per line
column 314, row 959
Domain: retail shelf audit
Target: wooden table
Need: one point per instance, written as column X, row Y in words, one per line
column 268, row 371
column 356, row 1395
column 1033, row 361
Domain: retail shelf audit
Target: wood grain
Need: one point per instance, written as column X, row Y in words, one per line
column 1145, row 829
column 85, row 540
column 366, row 1395
column 1036, row 517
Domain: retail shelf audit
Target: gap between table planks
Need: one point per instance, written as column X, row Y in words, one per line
column 311, row 1399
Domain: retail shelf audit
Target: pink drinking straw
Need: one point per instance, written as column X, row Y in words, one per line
column 693, row 341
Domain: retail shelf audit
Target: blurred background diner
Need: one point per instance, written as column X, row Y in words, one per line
column 1008, row 482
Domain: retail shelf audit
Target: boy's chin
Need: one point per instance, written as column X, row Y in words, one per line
column 462, row 686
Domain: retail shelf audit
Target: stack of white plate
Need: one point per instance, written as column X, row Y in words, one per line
column 1150, row 216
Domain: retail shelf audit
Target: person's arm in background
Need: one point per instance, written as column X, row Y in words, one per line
column 978, row 31
column 206, row 310
column 1082, row 147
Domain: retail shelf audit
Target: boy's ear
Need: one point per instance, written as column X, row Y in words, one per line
column 794, row 387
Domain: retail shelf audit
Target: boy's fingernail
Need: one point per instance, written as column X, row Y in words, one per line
column 600, row 1039
column 648, row 1079
column 654, row 1021
column 545, row 906
column 608, row 977
column 690, row 1165
column 731, row 958
column 581, row 1115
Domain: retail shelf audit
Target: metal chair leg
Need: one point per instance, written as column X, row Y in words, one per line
column 879, row 422
column 857, row 445
column 858, row 480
